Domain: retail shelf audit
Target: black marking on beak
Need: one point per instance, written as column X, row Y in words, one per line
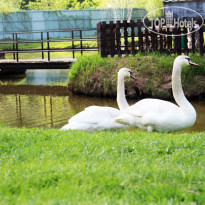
column 192, row 63
column 132, row 76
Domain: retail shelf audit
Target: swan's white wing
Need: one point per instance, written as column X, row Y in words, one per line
column 149, row 113
column 94, row 118
column 154, row 106
column 95, row 114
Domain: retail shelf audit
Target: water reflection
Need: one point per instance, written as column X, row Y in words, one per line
column 45, row 77
column 38, row 77
column 43, row 110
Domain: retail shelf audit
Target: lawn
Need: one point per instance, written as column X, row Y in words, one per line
column 48, row 166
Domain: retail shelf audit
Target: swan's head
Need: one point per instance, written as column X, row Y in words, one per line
column 126, row 72
column 184, row 60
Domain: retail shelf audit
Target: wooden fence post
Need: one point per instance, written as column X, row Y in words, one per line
column 146, row 35
column 99, row 38
column 153, row 39
column 193, row 39
column 201, row 37
column 118, row 36
column 201, row 41
column 177, row 40
column 132, row 25
column 125, row 36
column 112, row 39
column 103, row 39
column 160, row 41
column 169, row 39
column 140, row 36
column 185, row 40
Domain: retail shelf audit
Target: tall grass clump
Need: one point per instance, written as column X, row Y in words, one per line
column 89, row 74
column 86, row 64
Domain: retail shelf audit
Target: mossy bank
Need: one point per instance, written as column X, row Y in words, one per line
column 95, row 76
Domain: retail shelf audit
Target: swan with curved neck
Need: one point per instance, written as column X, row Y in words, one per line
column 95, row 118
column 160, row 115
column 121, row 99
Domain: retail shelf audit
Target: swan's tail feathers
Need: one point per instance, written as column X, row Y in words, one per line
column 65, row 127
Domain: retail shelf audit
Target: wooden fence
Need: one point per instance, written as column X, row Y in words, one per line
column 114, row 39
column 45, row 43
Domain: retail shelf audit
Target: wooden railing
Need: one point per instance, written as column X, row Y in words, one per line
column 113, row 39
column 15, row 41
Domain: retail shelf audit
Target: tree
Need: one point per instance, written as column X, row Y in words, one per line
column 8, row 6
column 16, row 5
column 24, row 4
column 153, row 8
column 49, row 5
column 90, row 4
column 61, row 4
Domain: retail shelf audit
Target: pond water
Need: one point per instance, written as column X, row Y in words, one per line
column 41, row 99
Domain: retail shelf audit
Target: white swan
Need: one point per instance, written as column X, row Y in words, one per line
column 95, row 118
column 160, row 115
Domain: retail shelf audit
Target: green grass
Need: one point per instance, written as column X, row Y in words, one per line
column 47, row 166
column 93, row 75
column 53, row 55
column 52, row 45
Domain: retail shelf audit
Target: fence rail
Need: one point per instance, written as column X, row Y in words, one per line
column 16, row 41
column 131, row 37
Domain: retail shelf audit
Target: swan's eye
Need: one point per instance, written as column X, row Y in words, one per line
column 188, row 59
column 130, row 72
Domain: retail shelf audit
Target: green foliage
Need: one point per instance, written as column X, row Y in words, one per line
column 153, row 8
column 8, row 6
column 149, row 5
column 48, row 166
column 62, row 4
column 52, row 4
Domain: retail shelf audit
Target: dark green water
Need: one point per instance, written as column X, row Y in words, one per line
column 41, row 99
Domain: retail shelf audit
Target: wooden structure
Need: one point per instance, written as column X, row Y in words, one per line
column 113, row 39
column 45, row 43
column 12, row 66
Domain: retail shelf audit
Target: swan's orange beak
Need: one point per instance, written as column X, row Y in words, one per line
column 132, row 76
column 192, row 63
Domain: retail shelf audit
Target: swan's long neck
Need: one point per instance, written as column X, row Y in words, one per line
column 177, row 90
column 121, row 99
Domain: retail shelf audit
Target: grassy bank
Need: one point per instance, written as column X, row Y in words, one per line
column 93, row 75
column 48, row 166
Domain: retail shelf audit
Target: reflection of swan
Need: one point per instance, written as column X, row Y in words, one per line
column 100, row 118
column 159, row 115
